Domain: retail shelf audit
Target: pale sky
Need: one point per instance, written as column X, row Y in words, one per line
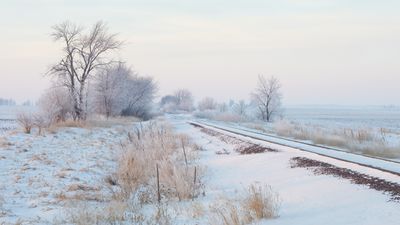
column 323, row 51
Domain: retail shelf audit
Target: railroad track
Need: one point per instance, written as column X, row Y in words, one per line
column 385, row 165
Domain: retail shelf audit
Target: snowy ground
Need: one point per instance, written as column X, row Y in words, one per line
column 306, row 198
column 386, row 165
column 39, row 172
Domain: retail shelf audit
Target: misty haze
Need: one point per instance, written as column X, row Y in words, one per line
column 208, row 112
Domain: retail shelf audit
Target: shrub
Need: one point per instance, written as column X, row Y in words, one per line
column 41, row 122
column 26, row 121
column 56, row 104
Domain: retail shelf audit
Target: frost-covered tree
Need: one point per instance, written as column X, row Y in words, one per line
column 181, row 100
column 184, row 100
column 120, row 91
column 222, row 107
column 207, row 104
column 140, row 93
column 168, row 104
column 56, row 104
column 84, row 53
column 109, row 90
column 267, row 97
column 240, row 108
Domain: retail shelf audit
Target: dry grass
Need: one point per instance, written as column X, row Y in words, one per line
column 95, row 122
column 82, row 213
column 197, row 210
column 79, row 196
column 259, row 202
column 110, row 122
column 54, row 127
column 365, row 141
column 156, row 145
column 220, row 116
column 4, row 142
column 81, row 187
column 116, row 212
column 256, row 127
column 161, row 216
column 228, row 212
column 134, row 183
column 381, row 151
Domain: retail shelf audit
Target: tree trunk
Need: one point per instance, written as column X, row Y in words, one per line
column 80, row 102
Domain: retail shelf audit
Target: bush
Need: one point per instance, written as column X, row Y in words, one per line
column 56, row 105
column 26, row 121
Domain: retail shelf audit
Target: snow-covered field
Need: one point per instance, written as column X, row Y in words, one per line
column 39, row 174
column 346, row 116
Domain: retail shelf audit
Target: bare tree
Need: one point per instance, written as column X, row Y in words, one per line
column 25, row 120
column 108, row 89
column 241, row 108
column 168, row 103
column 207, row 104
column 120, row 91
column 222, row 107
column 184, row 100
column 267, row 97
column 84, row 53
column 139, row 96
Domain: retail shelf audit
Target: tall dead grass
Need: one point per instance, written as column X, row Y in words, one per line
column 93, row 122
column 155, row 145
column 259, row 202
column 114, row 212
column 4, row 142
column 362, row 140
column 134, row 185
column 220, row 116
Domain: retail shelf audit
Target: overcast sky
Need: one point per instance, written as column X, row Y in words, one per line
column 323, row 51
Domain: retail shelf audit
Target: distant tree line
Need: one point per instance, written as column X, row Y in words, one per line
column 8, row 102
column 265, row 103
